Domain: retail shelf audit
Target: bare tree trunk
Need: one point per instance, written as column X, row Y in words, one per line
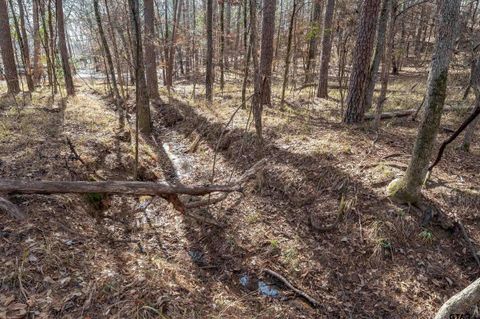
column 470, row 132
column 150, row 56
column 313, row 39
column 475, row 84
column 227, row 25
column 408, row 187
column 237, row 36
column 289, row 49
column 362, row 56
column 379, row 52
column 127, row 49
column 209, row 66
column 6, row 46
column 53, row 48
column 143, row 105
column 171, row 44
column 222, row 45
column 194, row 48
column 387, row 60
column 115, row 51
column 248, row 53
column 37, row 67
column 268, row 31
column 257, row 85
column 67, row 73
column 111, row 69
column 342, row 61
column 25, row 48
column 322, row 91
column 419, row 34
column 46, row 47
column 279, row 29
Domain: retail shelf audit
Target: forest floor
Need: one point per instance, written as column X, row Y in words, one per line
column 124, row 257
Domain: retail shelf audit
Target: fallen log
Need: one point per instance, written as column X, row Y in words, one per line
column 390, row 115
column 110, row 187
column 167, row 191
column 405, row 113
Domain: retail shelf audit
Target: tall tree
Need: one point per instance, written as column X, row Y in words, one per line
column 322, row 91
column 475, row 84
column 209, row 66
column 362, row 55
column 289, row 49
column 25, row 47
column 387, row 61
column 143, row 118
column 108, row 55
column 247, row 55
column 407, row 188
column 6, row 46
column 379, row 52
column 313, row 36
column 150, row 56
column 257, row 82
column 37, row 67
column 268, row 31
column 62, row 43
column 171, row 43
column 222, row 44
column 262, row 73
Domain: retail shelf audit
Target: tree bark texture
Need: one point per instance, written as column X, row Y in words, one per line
column 150, row 56
column 322, row 91
column 62, row 43
column 362, row 56
column 6, row 46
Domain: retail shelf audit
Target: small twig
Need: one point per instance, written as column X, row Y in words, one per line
column 302, row 294
column 74, row 151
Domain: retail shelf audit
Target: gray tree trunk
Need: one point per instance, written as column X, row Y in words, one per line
column 379, row 52
column 209, row 66
column 62, row 43
column 257, row 85
column 315, row 22
column 222, row 45
column 362, row 55
column 8, row 58
column 150, row 56
column 108, row 55
column 475, row 84
column 387, row 61
column 289, row 50
column 25, row 47
column 37, row 67
column 408, row 187
column 142, row 101
column 322, row 90
column 266, row 56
